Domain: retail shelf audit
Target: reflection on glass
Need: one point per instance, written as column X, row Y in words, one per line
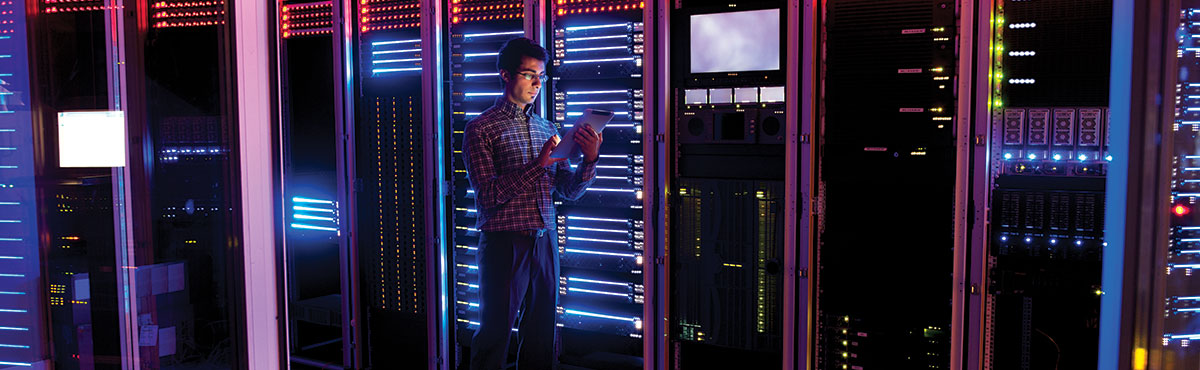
column 188, row 274
column 314, row 275
column 75, row 204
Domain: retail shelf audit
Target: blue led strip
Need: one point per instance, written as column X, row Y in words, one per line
column 315, row 214
column 21, row 325
column 394, row 57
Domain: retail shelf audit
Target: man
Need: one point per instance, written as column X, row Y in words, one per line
column 514, row 182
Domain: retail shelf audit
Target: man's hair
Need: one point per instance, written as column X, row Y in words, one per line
column 513, row 50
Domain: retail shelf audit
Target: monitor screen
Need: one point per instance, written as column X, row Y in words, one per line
column 735, row 42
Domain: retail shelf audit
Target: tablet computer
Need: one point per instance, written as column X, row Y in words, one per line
column 595, row 117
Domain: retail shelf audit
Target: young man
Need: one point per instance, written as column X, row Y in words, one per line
column 514, row 182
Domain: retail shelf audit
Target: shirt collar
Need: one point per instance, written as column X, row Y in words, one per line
column 512, row 109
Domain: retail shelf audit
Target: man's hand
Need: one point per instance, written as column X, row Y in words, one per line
column 544, row 159
column 589, row 142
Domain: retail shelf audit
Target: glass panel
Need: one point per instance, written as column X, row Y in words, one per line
column 597, row 64
column 25, row 205
column 1049, row 147
column 886, row 218
column 188, row 258
column 314, row 266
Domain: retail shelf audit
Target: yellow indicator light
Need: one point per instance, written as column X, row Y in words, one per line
column 1139, row 359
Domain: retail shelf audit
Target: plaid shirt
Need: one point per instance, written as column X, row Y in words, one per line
column 512, row 192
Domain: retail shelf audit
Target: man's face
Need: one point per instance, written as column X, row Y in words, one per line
column 517, row 88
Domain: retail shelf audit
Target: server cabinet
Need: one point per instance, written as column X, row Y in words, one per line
column 356, row 194
column 315, row 240
column 1045, row 189
column 726, row 202
column 391, row 173
column 886, row 182
column 597, row 62
column 475, row 31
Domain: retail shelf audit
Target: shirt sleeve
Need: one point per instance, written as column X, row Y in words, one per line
column 572, row 184
column 492, row 190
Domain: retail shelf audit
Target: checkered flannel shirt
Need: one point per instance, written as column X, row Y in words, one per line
column 513, row 193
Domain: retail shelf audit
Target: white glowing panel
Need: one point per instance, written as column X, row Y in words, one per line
column 91, row 139
column 720, row 96
column 745, row 94
column 772, row 94
column 735, row 42
column 695, row 96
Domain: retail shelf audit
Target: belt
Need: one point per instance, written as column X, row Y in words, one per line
column 531, row 233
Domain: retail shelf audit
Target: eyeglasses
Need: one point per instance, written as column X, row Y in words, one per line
column 530, row 76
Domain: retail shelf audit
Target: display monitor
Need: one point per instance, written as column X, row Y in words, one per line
column 735, row 41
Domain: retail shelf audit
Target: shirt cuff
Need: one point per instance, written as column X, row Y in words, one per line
column 587, row 169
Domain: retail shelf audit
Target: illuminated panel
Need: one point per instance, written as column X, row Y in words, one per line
column 307, row 19
column 598, row 64
column 567, row 7
column 477, row 30
column 393, row 57
column 1183, row 258
column 167, row 14
column 483, row 13
column 375, row 15
column 70, row 6
column 315, row 214
column 20, row 322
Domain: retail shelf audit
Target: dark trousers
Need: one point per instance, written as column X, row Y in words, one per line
column 516, row 269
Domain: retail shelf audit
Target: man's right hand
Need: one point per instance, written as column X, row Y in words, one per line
column 544, row 158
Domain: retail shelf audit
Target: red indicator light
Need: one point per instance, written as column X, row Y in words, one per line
column 1180, row 210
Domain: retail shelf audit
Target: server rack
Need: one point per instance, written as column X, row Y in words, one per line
column 1047, row 166
column 313, row 236
column 475, row 29
column 1179, row 289
column 357, row 145
column 391, row 176
column 886, row 184
column 597, row 63
column 726, row 201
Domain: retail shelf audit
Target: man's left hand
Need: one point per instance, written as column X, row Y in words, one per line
column 589, row 142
